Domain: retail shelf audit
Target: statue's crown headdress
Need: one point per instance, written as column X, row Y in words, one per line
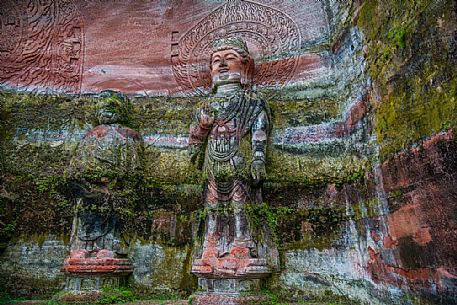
column 229, row 43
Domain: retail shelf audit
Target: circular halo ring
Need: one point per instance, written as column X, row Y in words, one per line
column 270, row 32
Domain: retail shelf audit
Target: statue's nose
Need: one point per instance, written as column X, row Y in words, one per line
column 222, row 63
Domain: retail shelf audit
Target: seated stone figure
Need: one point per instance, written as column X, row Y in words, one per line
column 107, row 156
column 228, row 140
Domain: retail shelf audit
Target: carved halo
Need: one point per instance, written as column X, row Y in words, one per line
column 273, row 40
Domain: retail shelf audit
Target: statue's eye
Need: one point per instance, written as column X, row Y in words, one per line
column 216, row 61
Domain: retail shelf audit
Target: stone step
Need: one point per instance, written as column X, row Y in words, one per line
column 179, row 302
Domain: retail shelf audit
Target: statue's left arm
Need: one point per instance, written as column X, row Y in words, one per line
column 260, row 130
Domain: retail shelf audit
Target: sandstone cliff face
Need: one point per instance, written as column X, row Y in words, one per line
column 361, row 180
column 411, row 51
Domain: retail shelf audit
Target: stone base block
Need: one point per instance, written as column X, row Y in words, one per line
column 229, row 286
column 93, row 283
column 227, row 299
column 229, row 292
column 86, row 288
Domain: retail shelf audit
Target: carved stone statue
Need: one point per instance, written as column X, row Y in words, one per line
column 228, row 141
column 108, row 155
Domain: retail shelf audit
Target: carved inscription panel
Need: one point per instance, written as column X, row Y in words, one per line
column 41, row 45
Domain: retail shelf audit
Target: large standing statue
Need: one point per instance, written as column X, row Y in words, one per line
column 228, row 140
column 108, row 156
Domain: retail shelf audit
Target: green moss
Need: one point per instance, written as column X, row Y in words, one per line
column 7, row 229
column 168, row 271
column 5, row 129
column 324, row 296
column 47, row 112
column 20, row 287
column 292, row 113
column 41, row 206
column 37, row 119
column 411, row 59
column 397, row 36
column 313, row 171
column 188, row 281
column 117, row 103
column 369, row 18
column 281, row 221
column 414, row 111
column 171, row 166
column 164, row 115
column 115, row 296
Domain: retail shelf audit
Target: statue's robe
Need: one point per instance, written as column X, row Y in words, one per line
column 223, row 134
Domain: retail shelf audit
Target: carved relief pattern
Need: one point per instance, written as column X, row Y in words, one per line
column 41, row 45
column 272, row 34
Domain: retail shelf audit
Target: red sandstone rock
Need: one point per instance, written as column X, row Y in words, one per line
column 80, row 253
column 104, row 253
column 97, row 265
column 131, row 48
column 217, row 299
column 422, row 185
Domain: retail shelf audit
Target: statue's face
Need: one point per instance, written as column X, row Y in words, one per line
column 226, row 67
column 106, row 115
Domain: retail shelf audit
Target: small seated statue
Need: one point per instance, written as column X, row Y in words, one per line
column 107, row 155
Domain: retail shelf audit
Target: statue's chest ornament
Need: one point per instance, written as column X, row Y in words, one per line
column 223, row 141
column 223, row 129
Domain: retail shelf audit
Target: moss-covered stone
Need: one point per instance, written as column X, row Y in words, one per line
column 412, row 58
column 313, row 170
column 293, row 113
column 298, row 228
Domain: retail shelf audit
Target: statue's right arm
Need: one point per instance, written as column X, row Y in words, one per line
column 198, row 132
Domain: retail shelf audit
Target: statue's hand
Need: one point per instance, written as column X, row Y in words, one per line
column 206, row 121
column 194, row 151
column 258, row 171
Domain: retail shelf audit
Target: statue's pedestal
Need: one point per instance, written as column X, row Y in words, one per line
column 88, row 275
column 92, row 283
column 231, row 268
column 228, row 292
column 237, row 264
column 232, row 279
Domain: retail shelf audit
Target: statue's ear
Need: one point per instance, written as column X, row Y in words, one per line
column 247, row 76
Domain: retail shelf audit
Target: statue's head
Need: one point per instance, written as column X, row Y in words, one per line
column 231, row 62
column 113, row 107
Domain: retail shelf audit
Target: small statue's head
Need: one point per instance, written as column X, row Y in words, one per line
column 231, row 62
column 113, row 107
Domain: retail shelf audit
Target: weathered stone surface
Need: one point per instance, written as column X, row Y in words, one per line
column 33, row 267
column 162, row 269
column 411, row 55
column 410, row 50
column 346, row 226
column 45, row 55
column 420, row 237
column 139, row 62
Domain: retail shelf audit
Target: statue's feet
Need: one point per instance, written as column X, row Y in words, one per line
column 79, row 253
column 240, row 252
column 104, row 253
